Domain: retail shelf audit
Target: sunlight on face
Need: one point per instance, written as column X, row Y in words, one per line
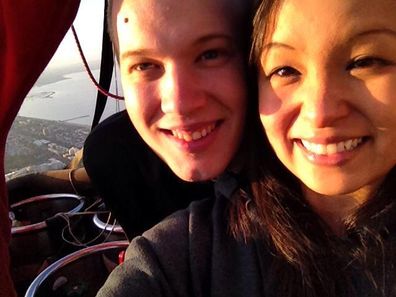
column 183, row 81
column 327, row 91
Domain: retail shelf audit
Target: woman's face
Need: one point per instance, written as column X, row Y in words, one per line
column 327, row 91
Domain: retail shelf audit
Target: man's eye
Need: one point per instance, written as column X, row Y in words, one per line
column 285, row 71
column 367, row 62
column 145, row 70
column 210, row 55
column 144, row 66
column 213, row 57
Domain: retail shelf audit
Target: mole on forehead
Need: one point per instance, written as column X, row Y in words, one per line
column 126, row 18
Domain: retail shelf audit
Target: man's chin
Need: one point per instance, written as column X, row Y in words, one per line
column 193, row 174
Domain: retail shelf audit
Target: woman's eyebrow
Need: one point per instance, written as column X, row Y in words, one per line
column 378, row 31
column 272, row 45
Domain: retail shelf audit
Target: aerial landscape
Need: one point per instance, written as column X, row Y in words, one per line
column 32, row 143
column 53, row 122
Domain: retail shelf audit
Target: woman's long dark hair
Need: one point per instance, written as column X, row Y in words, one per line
column 308, row 259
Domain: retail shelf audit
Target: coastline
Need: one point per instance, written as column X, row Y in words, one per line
column 32, row 142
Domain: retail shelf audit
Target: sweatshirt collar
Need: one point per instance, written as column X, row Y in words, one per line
column 226, row 184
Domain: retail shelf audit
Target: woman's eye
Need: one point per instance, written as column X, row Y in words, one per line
column 285, row 71
column 367, row 62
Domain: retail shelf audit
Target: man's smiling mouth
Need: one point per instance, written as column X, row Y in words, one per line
column 193, row 135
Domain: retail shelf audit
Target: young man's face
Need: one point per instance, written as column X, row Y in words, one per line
column 183, row 79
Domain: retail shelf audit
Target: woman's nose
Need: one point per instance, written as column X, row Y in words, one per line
column 324, row 101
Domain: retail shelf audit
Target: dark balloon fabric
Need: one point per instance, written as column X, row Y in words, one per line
column 30, row 32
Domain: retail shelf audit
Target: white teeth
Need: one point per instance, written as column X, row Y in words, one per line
column 320, row 149
column 196, row 135
column 348, row 144
column 193, row 135
column 332, row 148
column 187, row 137
column 203, row 132
column 340, row 147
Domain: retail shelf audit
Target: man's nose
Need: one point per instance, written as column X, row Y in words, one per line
column 324, row 101
column 181, row 91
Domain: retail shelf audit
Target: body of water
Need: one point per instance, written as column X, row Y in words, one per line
column 71, row 99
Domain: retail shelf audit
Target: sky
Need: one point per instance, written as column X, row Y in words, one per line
column 89, row 27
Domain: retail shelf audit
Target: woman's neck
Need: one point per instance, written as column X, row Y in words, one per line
column 335, row 209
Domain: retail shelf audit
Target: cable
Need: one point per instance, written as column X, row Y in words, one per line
column 75, row 241
column 104, row 92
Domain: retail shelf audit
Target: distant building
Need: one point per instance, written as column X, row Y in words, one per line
column 41, row 142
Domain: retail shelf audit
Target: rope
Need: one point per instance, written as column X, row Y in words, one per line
column 116, row 86
column 100, row 89
column 72, row 182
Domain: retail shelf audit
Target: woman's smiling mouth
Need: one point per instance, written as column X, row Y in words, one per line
column 331, row 148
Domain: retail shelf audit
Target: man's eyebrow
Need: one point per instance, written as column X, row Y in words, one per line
column 200, row 40
column 139, row 52
column 213, row 36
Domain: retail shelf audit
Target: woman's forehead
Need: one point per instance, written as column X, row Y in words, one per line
column 344, row 19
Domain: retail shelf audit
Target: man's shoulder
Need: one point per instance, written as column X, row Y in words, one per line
column 179, row 247
column 181, row 234
column 179, row 226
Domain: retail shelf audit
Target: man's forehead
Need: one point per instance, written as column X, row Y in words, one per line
column 171, row 8
column 144, row 22
column 178, row 16
column 165, row 36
